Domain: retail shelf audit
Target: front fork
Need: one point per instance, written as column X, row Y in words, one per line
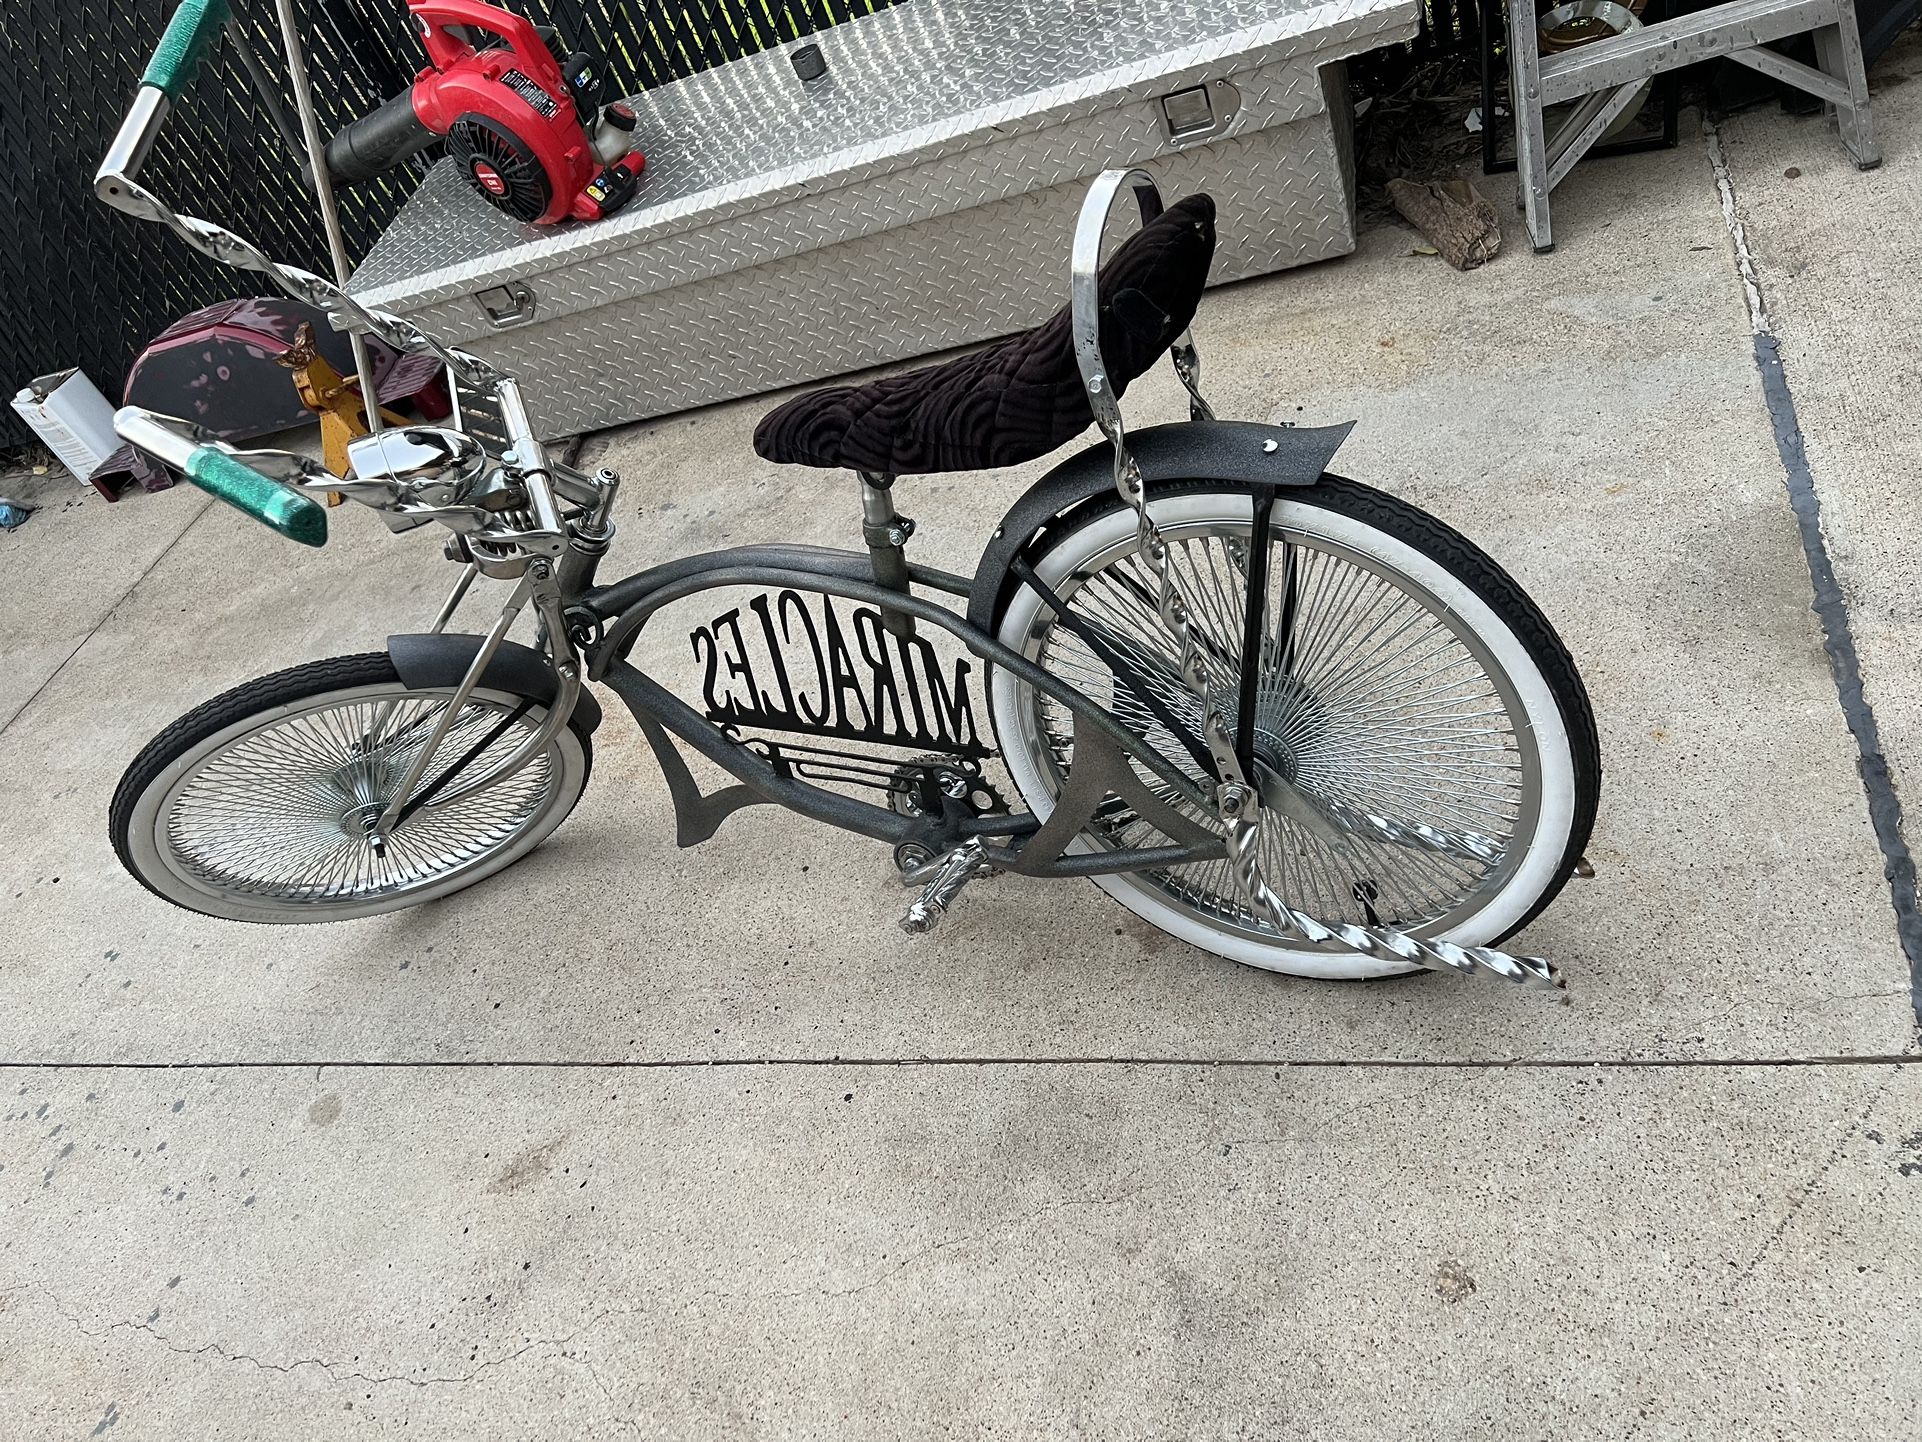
column 549, row 586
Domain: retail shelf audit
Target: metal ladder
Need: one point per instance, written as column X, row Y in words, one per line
column 1605, row 76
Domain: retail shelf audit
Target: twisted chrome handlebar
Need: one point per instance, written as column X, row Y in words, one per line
column 509, row 519
column 222, row 470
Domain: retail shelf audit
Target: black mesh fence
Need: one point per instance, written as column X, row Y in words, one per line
column 1448, row 28
column 84, row 286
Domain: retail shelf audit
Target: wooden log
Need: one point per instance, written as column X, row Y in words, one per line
column 1458, row 220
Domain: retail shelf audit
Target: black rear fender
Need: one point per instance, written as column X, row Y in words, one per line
column 1240, row 452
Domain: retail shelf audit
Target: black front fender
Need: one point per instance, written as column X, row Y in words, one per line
column 1241, row 452
column 429, row 660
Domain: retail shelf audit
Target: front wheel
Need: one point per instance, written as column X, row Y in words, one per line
column 1424, row 746
column 258, row 805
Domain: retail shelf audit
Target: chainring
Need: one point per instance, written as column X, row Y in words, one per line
column 980, row 797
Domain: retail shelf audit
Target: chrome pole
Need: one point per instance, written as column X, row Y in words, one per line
column 454, row 599
column 324, row 192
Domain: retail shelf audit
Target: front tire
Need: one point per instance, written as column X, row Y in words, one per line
column 255, row 806
column 1412, row 683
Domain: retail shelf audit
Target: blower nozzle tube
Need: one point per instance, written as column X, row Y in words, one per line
column 378, row 141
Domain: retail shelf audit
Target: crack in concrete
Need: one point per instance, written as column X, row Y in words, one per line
column 336, row 1371
column 340, row 1372
column 1800, row 1196
column 616, row 1413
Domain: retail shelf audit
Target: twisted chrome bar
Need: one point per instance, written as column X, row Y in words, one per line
column 219, row 243
column 1238, row 804
column 117, row 183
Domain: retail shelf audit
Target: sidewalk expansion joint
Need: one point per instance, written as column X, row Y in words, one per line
column 1831, row 608
column 1216, row 1063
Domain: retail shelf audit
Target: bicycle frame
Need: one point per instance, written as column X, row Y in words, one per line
column 1022, row 843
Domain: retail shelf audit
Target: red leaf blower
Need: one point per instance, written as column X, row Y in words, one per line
column 520, row 111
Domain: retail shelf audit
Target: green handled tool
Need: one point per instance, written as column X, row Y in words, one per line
column 183, row 44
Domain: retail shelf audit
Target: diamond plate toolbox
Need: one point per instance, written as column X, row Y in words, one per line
column 919, row 194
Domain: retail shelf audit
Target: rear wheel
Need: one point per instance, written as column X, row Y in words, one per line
column 1424, row 746
column 258, row 806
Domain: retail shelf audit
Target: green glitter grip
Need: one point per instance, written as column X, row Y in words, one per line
column 189, row 33
column 297, row 517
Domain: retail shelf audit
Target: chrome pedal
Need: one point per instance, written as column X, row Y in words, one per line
column 951, row 873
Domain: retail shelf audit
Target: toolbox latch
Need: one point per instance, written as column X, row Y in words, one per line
column 506, row 305
column 1199, row 110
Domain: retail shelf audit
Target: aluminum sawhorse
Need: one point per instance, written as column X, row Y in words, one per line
column 1604, row 77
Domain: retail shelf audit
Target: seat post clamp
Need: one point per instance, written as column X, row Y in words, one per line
column 893, row 532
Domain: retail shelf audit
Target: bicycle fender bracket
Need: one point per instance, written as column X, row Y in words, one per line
column 427, row 660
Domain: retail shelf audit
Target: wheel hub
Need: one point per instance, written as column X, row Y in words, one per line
column 1289, row 722
column 361, row 790
column 358, row 822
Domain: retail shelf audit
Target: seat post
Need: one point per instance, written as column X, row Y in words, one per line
column 886, row 532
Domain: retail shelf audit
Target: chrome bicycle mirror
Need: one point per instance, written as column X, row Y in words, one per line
column 422, row 465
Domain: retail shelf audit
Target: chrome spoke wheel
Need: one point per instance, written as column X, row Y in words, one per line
column 271, row 816
column 1409, row 751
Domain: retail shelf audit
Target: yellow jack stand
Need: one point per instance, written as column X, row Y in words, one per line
column 336, row 400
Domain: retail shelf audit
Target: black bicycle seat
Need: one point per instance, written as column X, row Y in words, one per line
column 1019, row 398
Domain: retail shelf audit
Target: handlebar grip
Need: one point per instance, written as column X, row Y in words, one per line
column 297, row 517
column 191, row 30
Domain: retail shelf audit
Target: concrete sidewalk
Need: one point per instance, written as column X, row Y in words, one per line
column 699, row 1146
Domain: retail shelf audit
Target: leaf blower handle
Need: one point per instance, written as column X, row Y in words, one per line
column 382, row 139
column 444, row 49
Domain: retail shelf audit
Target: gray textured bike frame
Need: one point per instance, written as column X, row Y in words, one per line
column 657, row 708
column 747, row 566
column 625, row 607
column 609, row 601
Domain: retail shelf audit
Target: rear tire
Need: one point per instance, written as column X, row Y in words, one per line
column 253, row 806
column 1489, row 776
